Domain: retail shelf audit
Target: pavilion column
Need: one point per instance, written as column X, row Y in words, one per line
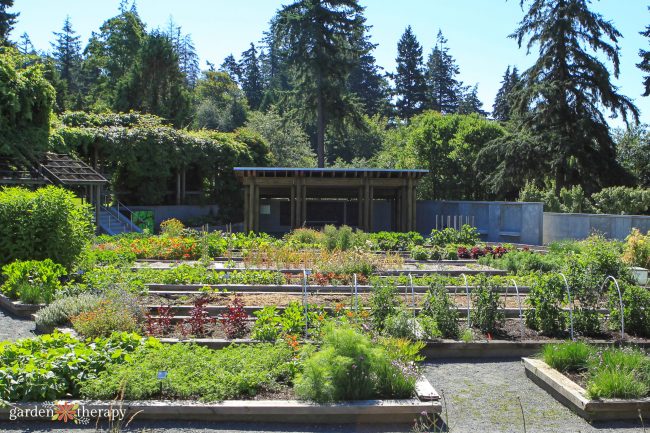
column 303, row 211
column 298, row 203
column 403, row 192
column 256, row 212
column 410, row 206
column 98, row 203
column 360, row 208
column 371, row 194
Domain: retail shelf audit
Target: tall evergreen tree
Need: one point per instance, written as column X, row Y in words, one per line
column 321, row 57
column 67, row 56
column 251, row 77
column 156, row 84
column 188, row 60
column 558, row 106
column 25, row 45
column 231, row 67
column 7, row 21
column 470, row 103
column 444, row 91
column 502, row 107
column 367, row 80
column 410, row 86
column 645, row 62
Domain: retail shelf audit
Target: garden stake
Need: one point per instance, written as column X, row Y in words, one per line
column 413, row 303
column 304, row 299
column 620, row 300
column 469, row 302
column 570, row 304
column 521, row 321
column 356, row 294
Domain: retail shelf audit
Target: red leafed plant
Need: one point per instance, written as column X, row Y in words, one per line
column 162, row 324
column 199, row 318
column 235, row 320
column 477, row 252
column 463, row 253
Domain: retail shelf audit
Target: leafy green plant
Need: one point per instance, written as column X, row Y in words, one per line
column 383, row 303
column 546, row 298
column 637, row 249
column 32, row 281
column 172, row 227
column 54, row 366
column 487, row 303
column 570, row 356
column 636, row 309
column 428, row 327
column 467, row 235
column 348, row 366
column 418, row 252
column 440, row 307
column 467, row 336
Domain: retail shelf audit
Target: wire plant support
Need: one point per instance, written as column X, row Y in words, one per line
column 469, row 302
column 413, row 304
column 620, row 300
column 568, row 290
column 521, row 316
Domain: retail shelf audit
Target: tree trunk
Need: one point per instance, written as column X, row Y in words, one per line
column 320, row 139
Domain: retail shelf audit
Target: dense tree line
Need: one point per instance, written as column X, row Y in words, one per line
column 312, row 90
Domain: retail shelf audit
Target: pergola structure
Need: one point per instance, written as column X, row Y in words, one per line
column 59, row 169
column 357, row 186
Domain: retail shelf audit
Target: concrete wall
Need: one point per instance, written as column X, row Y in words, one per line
column 558, row 226
column 182, row 212
column 516, row 222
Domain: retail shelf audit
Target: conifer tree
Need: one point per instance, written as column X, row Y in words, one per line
column 251, row 77
column 410, row 86
column 645, row 62
column 444, row 91
column 25, row 45
column 7, row 21
column 321, row 56
column 502, row 107
column 558, row 105
column 67, row 56
column 470, row 103
column 231, row 67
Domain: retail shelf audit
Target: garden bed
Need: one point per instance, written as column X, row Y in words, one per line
column 365, row 411
column 18, row 308
column 575, row 397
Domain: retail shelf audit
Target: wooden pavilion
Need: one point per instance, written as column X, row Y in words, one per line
column 310, row 195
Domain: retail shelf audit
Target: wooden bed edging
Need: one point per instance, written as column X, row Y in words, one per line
column 17, row 308
column 292, row 411
column 575, row 397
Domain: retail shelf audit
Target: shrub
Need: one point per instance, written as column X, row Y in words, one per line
column 636, row 309
column 235, row 320
column 395, row 241
column 48, row 223
column 487, row 303
column 439, row 306
column 349, row 366
column 195, row 372
column 304, row 237
column 383, row 303
column 62, row 310
column 571, row 356
column 107, row 317
column 637, row 249
column 622, row 200
column 546, row 297
column 32, row 281
column 172, row 227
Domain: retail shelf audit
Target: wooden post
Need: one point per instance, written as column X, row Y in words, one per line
column 360, row 208
column 298, row 204
column 251, row 206
column 366, row 207
column 371, row 194
column 98, row 204
column 256, row 214
column 303, row 212
column 178, row 187
column 409, row 205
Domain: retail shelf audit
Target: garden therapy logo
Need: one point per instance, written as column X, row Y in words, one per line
column 64, row 411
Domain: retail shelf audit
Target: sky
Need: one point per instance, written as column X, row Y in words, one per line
column 477, row 31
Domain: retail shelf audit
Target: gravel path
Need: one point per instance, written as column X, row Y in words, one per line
column 482, row 396
column 13, row 328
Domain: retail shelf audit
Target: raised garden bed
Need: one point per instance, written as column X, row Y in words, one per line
column 365, row 411
column 17, row 308
column 575, row 397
